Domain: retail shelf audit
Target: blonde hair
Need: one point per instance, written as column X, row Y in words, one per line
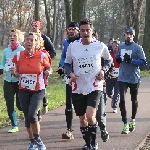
column 39, row 38
column 20, row 34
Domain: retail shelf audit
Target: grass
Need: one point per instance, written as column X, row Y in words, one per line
column 55, row 90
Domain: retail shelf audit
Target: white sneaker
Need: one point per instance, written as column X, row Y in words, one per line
column 114, row 110
column 44, row 110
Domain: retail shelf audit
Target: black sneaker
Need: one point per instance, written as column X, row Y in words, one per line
column 87, row 148
column 84, row 147
column 104, row 136
column 94, row 147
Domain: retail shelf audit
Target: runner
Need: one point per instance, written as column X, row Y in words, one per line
column 83, row 65
column 30, row 64
column 10, row 82
column 49, row 47
column 112, row 85
column 73, row 34
column 131, row 57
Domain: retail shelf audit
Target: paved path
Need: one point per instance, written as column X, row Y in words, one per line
column 53, row 125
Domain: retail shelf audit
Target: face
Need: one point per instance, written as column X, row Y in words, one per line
column 72, row 32
column 86, row 32
column 115, row 47
column 129, row 36
column 13, row 38
column 34, row 27
column 111, row 42
column 30, row 42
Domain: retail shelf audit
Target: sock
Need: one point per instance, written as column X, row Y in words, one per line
column 93, row 131
column 133, row 120
column 32, row 140
column 86, row 136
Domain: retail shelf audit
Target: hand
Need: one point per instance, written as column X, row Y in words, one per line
column 73, row 78
column 100, row 75
column 47, row 72
column 60, row 71
column 1, row 71
column 127, row 58
column 118, row 59
column 12, row 70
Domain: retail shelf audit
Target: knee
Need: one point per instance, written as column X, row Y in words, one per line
column 32, row 118
column 83, row 119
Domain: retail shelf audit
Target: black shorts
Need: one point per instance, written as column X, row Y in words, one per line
column 80, row 101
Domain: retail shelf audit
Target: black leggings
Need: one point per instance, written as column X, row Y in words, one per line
column 123, row 86
column 69, row 110
column 10, row 90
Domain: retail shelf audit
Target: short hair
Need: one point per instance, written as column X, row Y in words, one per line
column 39, row 37
column 111, row 39
column 86, row 21
column 20, row 34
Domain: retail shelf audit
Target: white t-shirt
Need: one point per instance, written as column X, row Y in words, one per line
column 86, row 61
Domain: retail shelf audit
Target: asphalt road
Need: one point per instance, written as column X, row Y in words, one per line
column 53, row 125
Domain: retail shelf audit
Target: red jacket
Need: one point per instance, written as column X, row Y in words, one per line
column 116, row 65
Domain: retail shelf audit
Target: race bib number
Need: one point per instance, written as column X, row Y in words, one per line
column 86, row 65
column 9, row 64
column 123, row 51
column 28, row 81
column 115, row 73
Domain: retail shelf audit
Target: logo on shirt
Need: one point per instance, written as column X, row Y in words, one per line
column 86, row 49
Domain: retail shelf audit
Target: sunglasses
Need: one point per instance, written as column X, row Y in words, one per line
column 69, row 29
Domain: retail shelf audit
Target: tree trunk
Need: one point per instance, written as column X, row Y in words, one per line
column 78, row 10
column 68, row 11
column 36, row 10
column 54, row 22
column 133, row 12
column 146, row 43
column 47, row 19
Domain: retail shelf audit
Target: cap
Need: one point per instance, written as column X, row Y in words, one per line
column 37, row 23
column 74, row 25
column 130, row 30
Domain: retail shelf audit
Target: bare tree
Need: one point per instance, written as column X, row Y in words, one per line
column 47, row 19
column 78, row 9
column 133, row 10
column 36, row 10
column 68, row 11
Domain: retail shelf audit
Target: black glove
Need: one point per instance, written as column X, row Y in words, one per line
column 60, row 72
column 118, row 60
column 109, row 73
column 1, row 71
column 127, row 58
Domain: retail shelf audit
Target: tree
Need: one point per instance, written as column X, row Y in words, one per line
column 68, row 11
column 36, row 10
column 47, row 19
column 146, row 43
column 78, row 10
column 133, row 11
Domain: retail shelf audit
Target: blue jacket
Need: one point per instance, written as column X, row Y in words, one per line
column 49, row 46
column 64, row 50
column 9, row 54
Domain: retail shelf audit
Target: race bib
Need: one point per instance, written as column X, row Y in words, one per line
column 86, row 65
column 9, row 64
column 28, row 81
column 115, row 73
column 123, row 51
